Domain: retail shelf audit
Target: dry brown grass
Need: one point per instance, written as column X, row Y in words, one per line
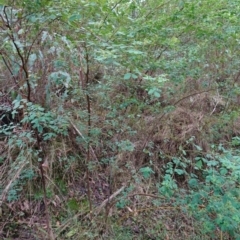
column 194, row 119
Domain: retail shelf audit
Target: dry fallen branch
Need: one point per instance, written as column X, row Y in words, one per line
column 80, row 134
column 5, row 191
column 106, row 201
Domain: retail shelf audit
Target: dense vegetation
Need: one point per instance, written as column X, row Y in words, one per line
column 120, row 119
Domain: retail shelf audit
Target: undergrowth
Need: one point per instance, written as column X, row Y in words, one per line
column 107, row 135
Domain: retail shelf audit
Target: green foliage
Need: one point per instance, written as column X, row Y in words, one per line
column 17, row 186
column 41, row 119
column 213, row 198
column 125, row 146
column 168, row 186
column 51, row 58
column 73, row 205
column 146, row 172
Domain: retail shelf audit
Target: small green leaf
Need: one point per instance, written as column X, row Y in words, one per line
column 198, row 148
column 16, row 104
column 127, row 76
column 134, row 76
column 179, row 171
column 156, row 94
column 72, row 232
column 146, row 172
column 32, row 59
column 74, row 17
column 223, row 171
column 21, row 31
column 198, row 165
column 193, row 182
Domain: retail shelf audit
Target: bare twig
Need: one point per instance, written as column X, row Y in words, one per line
column 81, row 135
column 23, row 61
column 49, row 228
column 88, row 130
column 105, row 18
column 106, row 201
column 146, row 195
column 9, row 69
